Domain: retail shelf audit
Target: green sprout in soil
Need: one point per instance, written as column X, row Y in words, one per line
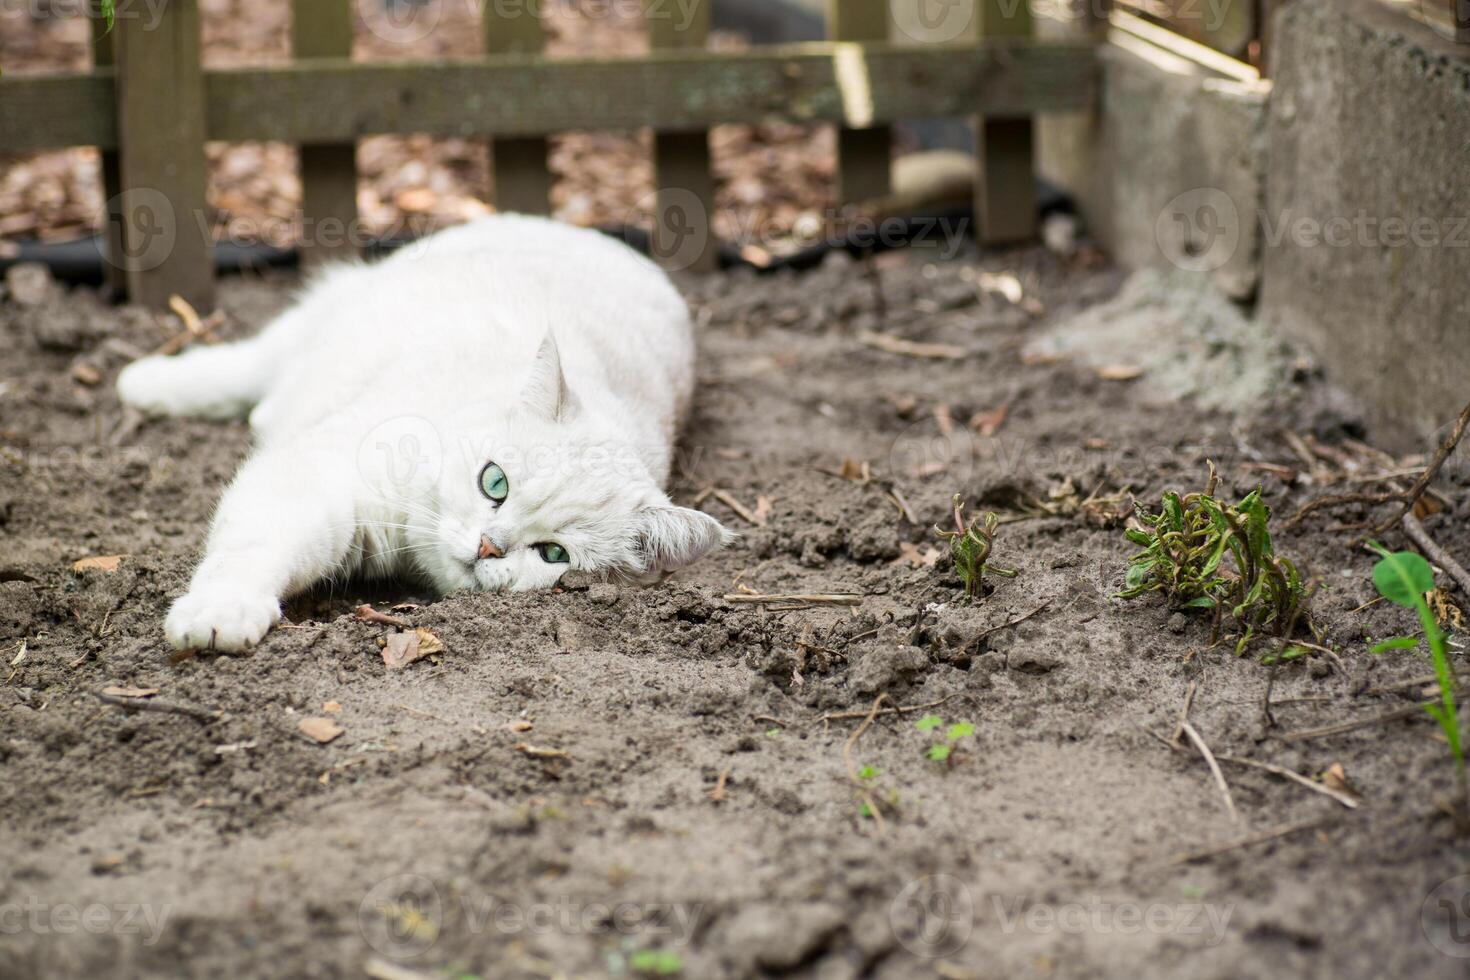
column 941, row 751
column 970, row 545
column 1186, row 547
column 656, row 963
column 1404, row 578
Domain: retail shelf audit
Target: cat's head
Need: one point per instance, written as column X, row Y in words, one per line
column 554, row 491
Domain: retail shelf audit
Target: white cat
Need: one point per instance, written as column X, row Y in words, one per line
column 488, row 408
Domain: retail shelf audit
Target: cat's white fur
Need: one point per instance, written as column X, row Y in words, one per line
column 376, row 401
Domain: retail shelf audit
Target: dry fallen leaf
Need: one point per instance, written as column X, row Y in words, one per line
column 332, row 708
column 519, row 725
column 402, row 649
column 989, row 423
column 322, row 730
column 540, row 751
column 85, row 373
column 1336, row 778
column 130, row 692
column 101, row 563
column 762, row 510
column 914, row 556
column 1119, row 372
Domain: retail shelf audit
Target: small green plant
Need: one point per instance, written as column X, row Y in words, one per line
column 109, row 12
column 970, row 545
column 941, row 751
column 656, row 963
column 1185, row 547
column 1405, row 578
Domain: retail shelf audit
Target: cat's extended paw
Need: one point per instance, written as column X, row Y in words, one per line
column 220, row 619
column 152, row 384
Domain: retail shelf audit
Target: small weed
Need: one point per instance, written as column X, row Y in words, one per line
column 970, row 545
column 656, row 963
column 1405, row 578
column 1184, row 558
column 941, row 751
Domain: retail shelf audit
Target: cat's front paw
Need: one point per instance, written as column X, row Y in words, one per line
column 220, row 619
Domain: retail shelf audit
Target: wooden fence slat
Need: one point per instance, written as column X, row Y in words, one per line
column 335, row 100
column 684, row 206
column 864, row 156
column 1005, row 192
column 328, row 171
column 112, row 220
column 518, row 164
column 161, row 125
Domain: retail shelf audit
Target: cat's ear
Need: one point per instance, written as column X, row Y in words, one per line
column 545, row 391
column 671, row 537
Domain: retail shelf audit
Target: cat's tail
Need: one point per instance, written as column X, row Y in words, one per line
column 219, row 382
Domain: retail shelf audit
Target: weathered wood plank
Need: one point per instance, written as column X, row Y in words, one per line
column 112, row 219
column 337, row 100
column 864, row 155
column 1005, row 195
column 684, row 206
column 160, row 112
column 518, row 164
column 328, row 170
column 41, row 112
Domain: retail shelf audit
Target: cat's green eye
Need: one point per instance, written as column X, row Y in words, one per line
column 493, row 483
column 554, row 554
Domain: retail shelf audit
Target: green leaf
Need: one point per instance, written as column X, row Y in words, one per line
column 109, row 12
column 1138, row 537
column 959, row 730
column 1137, row 573
column 1202, row 602
column 1403, row 577
column 1173, row 511
column 868, row 772
column 659, row 962
column 928, row 723
column 1397, row 643
column 865, row 810
column 939, row 753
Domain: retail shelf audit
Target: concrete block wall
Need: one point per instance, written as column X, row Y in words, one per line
column 1366, row 229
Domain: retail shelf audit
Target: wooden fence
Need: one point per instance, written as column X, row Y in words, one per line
column 150, row 107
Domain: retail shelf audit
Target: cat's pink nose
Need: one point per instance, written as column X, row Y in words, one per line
column 488, row 549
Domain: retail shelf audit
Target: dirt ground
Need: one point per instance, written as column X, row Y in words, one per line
column 703, row 819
